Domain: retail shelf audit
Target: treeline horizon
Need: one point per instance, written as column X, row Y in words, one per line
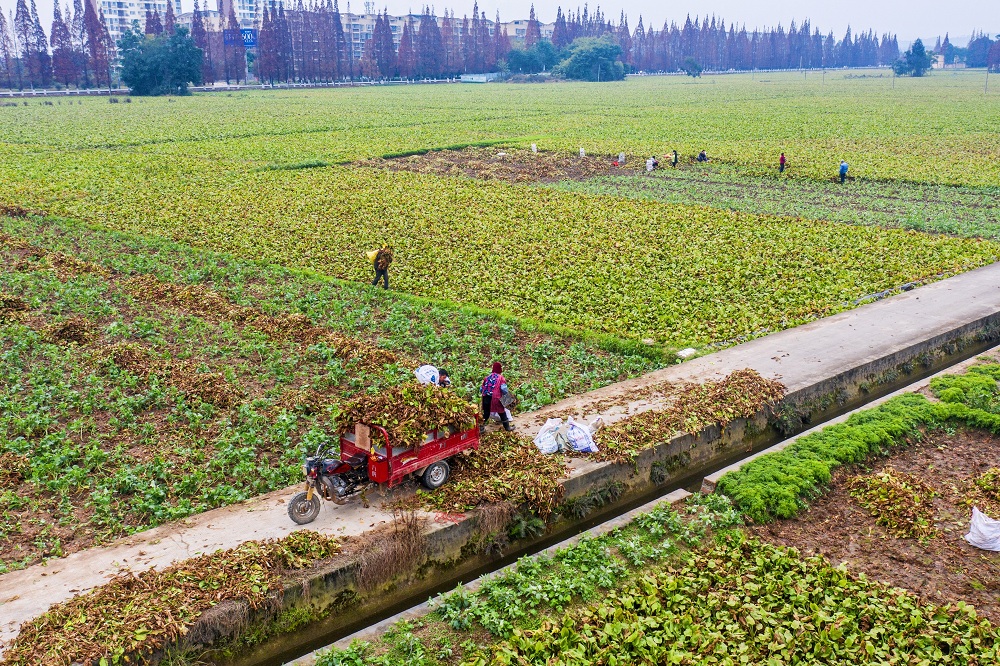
column 308, row 44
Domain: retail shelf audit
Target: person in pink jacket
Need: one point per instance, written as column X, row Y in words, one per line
column 494, row 386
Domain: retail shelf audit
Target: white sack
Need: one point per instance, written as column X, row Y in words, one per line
column 579, row 437
column 546, row 440
column 984, row 532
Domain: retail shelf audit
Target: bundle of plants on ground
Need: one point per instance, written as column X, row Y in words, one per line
column 409, row 411
column 899, row 502
column 741, row 394
column 134, row 615
column 779, row 485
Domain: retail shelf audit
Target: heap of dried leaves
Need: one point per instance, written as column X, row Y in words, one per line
column 899, row 502
column 11, row 306
column 408, row 411
column 985, row 492
column 135, row 614
column 12, row 469
column 741, row 394
column 507, row 468
column 78, row 330
column 184, row 375
column 13, row 210
column 65, row 265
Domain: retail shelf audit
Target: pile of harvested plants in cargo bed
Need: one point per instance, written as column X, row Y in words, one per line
column 409, row 411
column 136, row 614
column 507, row 468
column 694, row 406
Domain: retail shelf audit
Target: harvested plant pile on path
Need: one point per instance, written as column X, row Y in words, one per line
column 507, row 468
column 136, row 614
column 409, row 411
column 741, row 394
column 897, row 501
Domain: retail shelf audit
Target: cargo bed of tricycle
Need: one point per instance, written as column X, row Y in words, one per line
column 390, row 465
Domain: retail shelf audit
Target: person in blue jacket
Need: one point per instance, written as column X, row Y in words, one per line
column 843, row 171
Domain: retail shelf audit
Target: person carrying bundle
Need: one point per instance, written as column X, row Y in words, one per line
column 381, row 261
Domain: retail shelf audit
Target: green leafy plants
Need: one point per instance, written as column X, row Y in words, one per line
column 747, row 602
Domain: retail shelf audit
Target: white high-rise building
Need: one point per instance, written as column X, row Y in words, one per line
column 244, row 11
column 120, row 13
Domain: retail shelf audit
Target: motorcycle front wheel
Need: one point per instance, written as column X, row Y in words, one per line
column 302, row 510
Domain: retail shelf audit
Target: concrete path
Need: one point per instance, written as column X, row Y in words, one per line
column 806, row 355
column 28, row 593
column 799, row 357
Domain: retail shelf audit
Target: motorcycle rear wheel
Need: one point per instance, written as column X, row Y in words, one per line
column 303, row 511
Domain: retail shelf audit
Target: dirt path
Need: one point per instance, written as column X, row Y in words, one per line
column 800, row 357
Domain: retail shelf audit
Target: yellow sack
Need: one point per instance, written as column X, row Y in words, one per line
column 371, row 255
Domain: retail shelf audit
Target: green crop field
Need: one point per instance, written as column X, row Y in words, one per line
column 220, row 172
column 182, row 290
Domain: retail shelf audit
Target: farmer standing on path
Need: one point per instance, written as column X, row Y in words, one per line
column 781, row 163
column 843, row 171
column 492, row 391
column 381, row 265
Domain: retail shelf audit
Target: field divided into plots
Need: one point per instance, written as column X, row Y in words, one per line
column 147, row 349
column 267, row 176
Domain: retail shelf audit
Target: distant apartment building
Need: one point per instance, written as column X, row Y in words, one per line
column 120, row 13
column 246, row 11
column 211, row 18
column 517, row 30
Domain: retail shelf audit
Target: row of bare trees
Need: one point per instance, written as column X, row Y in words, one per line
column 313, row 42
column 81, row 54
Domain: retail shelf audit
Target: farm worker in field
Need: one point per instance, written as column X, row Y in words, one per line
column 676, row 158
column 492, row 392
column 843, row 171
column 428, row 374
column 702, row 157
column 381, row 264
column 781, row 163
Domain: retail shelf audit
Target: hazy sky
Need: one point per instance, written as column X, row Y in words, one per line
column 907, row 18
